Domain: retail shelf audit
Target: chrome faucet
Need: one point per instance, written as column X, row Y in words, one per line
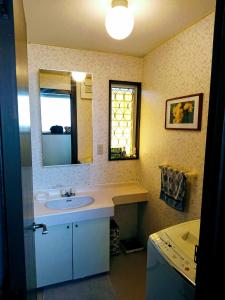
column 65, row 193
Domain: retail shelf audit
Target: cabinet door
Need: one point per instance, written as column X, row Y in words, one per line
column 90, row 247
column 54, row 254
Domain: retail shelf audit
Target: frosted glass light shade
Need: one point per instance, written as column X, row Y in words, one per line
column 79, row 76
column 119, row 22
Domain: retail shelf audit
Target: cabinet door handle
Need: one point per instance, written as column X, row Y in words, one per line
column 76, row 225
column 43, row 226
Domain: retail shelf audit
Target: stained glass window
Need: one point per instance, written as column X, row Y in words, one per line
column 123, row 121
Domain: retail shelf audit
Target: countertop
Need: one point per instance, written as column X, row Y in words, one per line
column 106, row 197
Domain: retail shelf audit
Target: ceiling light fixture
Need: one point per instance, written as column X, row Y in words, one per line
column 119, row 21
column 79, row 76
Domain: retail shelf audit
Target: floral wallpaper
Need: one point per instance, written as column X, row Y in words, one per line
column 179, row 67
column 103, row 67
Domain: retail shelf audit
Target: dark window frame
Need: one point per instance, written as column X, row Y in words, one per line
column 138, row 85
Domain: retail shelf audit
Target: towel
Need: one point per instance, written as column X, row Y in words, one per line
column 173, row 188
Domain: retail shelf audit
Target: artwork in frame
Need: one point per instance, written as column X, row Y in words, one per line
column 184, row 112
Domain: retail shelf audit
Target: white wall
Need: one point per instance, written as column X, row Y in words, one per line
column 103, row 67
column 181, row 66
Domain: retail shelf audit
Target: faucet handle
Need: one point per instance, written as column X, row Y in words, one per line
column 63, row 192
column 72, row 191
column 67, row 192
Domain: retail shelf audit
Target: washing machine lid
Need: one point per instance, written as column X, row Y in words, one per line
column 177, row 245
column 185, row 236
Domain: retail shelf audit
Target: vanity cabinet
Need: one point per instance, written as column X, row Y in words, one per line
column 72, row 251
column 90, row 247
column 54, row 254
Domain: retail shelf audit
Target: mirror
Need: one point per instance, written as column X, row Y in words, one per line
column 66, row 117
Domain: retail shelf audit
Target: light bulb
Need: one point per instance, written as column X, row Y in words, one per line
column 79, row 76
column 119, row 22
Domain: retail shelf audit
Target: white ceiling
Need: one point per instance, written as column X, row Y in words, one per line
column 80, row 23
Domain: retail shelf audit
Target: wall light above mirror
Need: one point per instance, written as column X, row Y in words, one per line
column 66, row 117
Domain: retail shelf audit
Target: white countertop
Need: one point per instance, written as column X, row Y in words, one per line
column 106, row 197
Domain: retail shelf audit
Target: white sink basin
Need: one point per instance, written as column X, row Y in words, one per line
column 69, row 202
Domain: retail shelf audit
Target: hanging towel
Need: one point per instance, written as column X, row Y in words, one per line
column 173, row 188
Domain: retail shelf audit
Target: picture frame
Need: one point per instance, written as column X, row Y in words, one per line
column 184, row 112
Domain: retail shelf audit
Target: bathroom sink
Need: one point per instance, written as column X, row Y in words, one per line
column 69, row 202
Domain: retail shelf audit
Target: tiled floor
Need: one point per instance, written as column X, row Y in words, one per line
column 125, row 281
column 94, row 288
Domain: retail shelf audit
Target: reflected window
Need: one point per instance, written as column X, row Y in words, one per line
column 124, row 120
column 57, row 135
column 58, row 103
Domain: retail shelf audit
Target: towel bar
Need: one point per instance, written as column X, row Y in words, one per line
column 186, row 172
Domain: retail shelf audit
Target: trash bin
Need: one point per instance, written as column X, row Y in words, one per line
column 114, row 238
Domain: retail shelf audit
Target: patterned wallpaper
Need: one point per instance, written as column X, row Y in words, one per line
column 103, row 67
column 179, row 67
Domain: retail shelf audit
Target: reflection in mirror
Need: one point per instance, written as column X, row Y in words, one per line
column 66, row 117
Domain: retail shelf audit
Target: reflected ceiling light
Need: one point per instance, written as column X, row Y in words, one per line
column 119, row 21
column 79, row 76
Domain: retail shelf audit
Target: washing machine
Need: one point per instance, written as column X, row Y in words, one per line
column 170, row 263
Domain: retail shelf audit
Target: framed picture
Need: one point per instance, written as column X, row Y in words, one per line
column 184, row 112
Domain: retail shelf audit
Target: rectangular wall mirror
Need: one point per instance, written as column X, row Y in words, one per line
column 124, row 119
column 66, row 117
